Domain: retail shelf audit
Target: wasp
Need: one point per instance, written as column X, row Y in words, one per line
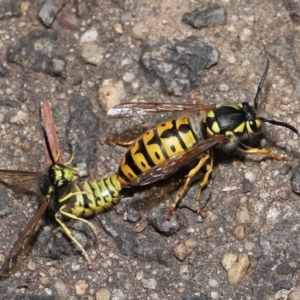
column 150, row 157
column 65, row 194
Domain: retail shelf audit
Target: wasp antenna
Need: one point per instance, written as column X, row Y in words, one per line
column 46, row 138
column 292, row 128
column 262, row 81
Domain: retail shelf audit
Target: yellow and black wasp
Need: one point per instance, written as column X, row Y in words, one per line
column 150, row 157
column 67, row 197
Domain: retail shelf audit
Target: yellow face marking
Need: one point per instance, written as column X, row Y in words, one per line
column 210, row 114
column 215, row 127
column 240, row 128
column 209, row 132
column 258, row 124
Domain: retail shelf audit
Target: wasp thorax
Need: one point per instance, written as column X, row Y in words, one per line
column 61, row 176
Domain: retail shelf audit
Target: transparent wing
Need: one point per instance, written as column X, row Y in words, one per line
column 136, row 109
column 20, row 181
column 11, row 260
column 171, row 165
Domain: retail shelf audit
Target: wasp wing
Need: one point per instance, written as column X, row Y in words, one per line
column 136, row 109
column 10, row 262
column 20, row 181
column 171, row 165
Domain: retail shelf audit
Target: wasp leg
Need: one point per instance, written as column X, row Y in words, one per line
column 69, row 233
column 191, row 174
column 203, row 183
column 122, row 143
column 268, row 152
column 70, row 160
column 196, row 95
column 73, row 194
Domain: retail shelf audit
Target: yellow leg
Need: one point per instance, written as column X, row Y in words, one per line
column 57, row 155
column 197, row 96
column 202, row 184
column 70, row 160
column 71, row 237
column 122, row 143
column 262, row 151
column 191, row 174
column 73, row 194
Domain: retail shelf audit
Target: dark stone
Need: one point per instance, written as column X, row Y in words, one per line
column 283, row 285
column 177, row 67
column 294, row 7
column 295, row 180
column 158, row 219
column 3, row 70
column 49, row 11
column 10, row 8
column 147, row 247
column 205, row 18
column 23, row 52
column 132, row 210
column 247, row 186
column 33, row 297
column 4, row 208
column 286, row 168
column 197, row 296
column 82, row 132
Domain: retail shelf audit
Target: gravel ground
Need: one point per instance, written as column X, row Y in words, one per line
column 87, row 56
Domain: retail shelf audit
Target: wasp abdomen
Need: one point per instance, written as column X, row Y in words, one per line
column 156, row 146
column 94, row 196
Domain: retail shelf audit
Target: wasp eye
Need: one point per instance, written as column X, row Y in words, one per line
column 255, row 127
column 52, row 176
column 45, row 184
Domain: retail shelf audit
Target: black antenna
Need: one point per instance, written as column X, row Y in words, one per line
column 46, row 138
column 262, row 81
column 281, row 124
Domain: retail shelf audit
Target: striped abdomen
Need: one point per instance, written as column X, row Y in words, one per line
column 101, row 194
column 156, row 146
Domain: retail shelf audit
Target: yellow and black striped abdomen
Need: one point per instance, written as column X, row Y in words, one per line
column 101, row 194
column 156, row 146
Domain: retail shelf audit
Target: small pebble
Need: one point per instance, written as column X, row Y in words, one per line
column 228, row 260
column 111, row 93
column 81, row 287
column 182, row 250
column 31, row 266
column 103, row 294
column 90, row 36
column 243, row 214
column 118, row 28
column 246, row 34
column 239, row 268
column 149, row 284
column 213, row 283
column 239, row 232
column 250, row 176
column 62, row 289
column 295, row 294
column 92, row 53
column 140, row 31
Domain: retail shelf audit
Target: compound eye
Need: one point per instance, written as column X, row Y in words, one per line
column 45, row 185
column 52, row 177
column 253, row 125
